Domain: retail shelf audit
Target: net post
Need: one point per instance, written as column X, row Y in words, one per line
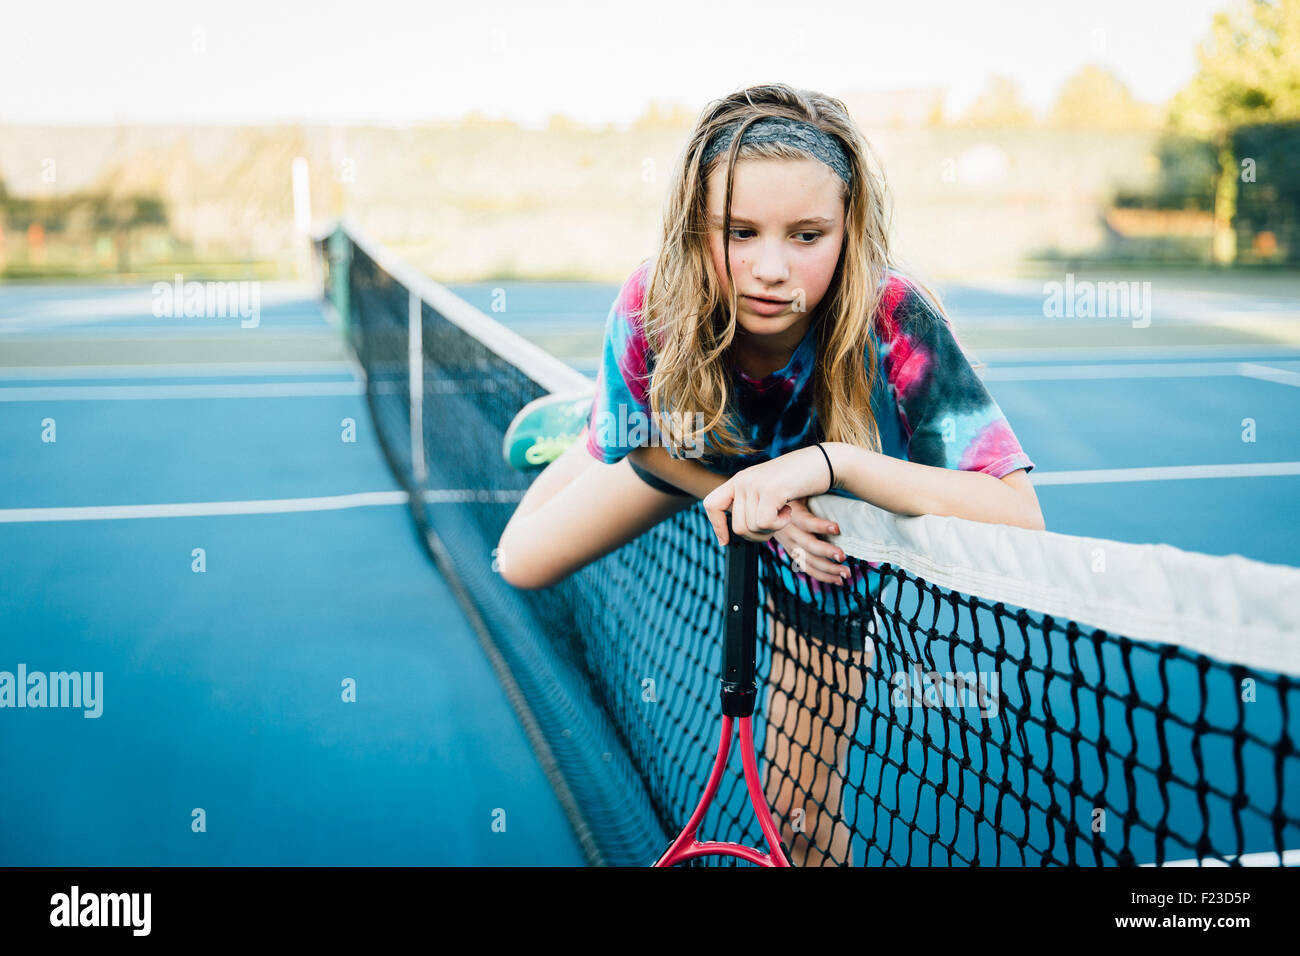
column 339, row 249
column 415, row 350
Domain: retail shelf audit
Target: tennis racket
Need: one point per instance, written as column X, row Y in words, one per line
column 739, row 691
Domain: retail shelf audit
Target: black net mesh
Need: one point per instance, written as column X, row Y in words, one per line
column 912, row 725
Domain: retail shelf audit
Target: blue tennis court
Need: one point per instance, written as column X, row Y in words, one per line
column 199, row 520
column 274, row 675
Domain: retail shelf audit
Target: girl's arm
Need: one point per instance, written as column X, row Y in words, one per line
column 758, row 495
column 903, row 487
column 805, row 533
column 909, row 488
column 576, row 511
column 687, row 475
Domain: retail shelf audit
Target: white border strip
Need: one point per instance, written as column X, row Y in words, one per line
column 1230, row 608
column 540, row 365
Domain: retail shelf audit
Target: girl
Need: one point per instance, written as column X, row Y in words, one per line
column 783, row 356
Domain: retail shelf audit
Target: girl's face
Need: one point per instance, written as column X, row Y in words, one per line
column 787, row 227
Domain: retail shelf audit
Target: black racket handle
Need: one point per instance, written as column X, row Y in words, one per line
column 740, row 641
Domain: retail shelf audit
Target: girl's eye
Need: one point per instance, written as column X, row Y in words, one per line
column 812, row 236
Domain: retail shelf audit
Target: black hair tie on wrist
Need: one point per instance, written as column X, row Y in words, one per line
column 828, row 465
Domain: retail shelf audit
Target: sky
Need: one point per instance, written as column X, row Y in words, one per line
column 255, row 61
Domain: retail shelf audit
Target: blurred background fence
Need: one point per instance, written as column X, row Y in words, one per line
column 1211, row 176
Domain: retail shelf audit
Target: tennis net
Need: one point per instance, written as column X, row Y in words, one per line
column 976, row 721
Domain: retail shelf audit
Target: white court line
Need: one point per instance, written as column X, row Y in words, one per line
column 1099, row 476
column 462, row 495
column 1125, row 352
column 208, row 370
column 1025, row 373
column 198, row 509
column 451, row 496
column 100, row 393
column 1268, row 374
column 1267, row 858
column 232, row 329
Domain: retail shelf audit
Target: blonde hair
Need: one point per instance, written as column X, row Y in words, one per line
column 686, row 326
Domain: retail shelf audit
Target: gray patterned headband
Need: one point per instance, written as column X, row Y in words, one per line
column 779, row 129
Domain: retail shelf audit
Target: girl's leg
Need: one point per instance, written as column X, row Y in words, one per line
column 578, row 510
column 811, row 718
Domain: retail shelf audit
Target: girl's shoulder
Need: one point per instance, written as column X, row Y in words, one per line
column 912, row 330
column 631, row 295
column 906, row 309
column 627, row 314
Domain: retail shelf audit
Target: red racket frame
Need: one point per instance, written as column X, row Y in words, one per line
column 739, row 691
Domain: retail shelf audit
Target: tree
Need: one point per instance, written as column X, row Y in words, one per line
column 120, row 214
column 665, row 115
column 1095, row 98
column 1249, row 74
column 999, row 106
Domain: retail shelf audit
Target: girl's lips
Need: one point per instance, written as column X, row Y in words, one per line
column 767, row 308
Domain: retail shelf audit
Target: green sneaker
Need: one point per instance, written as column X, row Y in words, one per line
column 545, row 428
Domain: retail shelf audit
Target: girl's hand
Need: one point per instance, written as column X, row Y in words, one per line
column 759, row 497
column 810, row 554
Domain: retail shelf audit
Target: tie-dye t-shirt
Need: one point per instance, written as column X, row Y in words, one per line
column 930, row 406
